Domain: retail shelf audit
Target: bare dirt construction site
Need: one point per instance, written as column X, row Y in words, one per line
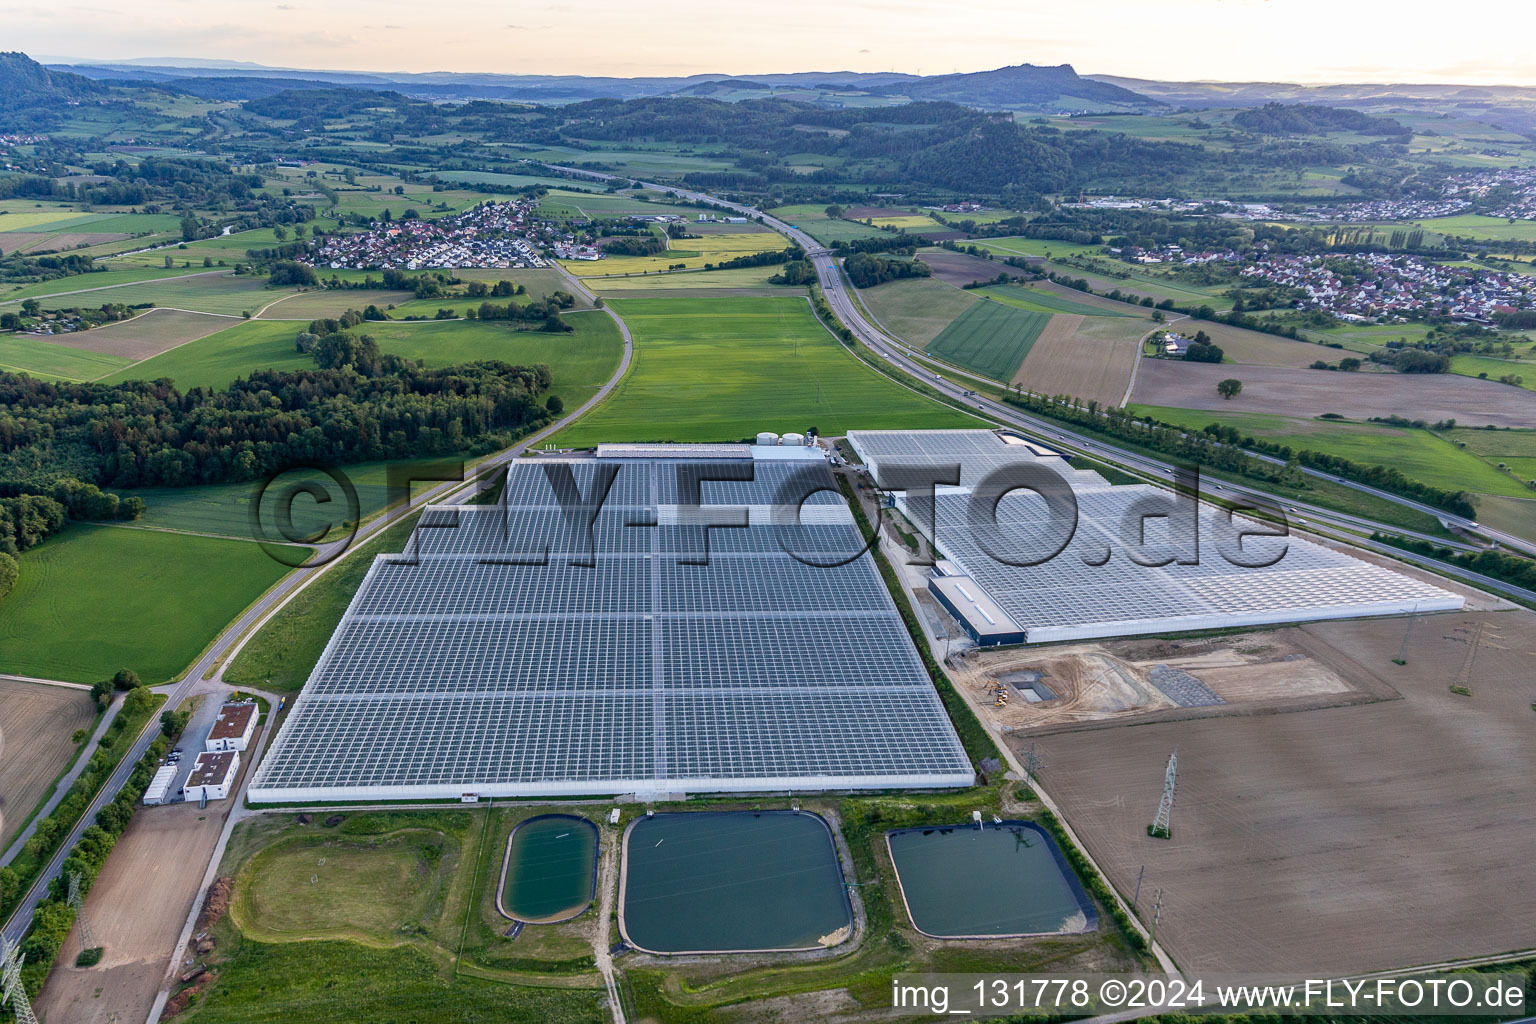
column 1287, row 391
column 36, row 723
column 147, row 334
column 1081, row 685
column 136, row 909
column 1090, row 357
column 1336, row 840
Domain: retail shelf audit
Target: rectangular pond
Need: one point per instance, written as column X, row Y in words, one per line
column 733, row 882
column 1008, row 879
column 550, row 869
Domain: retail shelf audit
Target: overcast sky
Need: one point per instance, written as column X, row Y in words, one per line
column 1485, row 42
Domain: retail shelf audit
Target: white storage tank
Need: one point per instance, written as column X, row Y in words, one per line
column 767, row 439
column 792, row 439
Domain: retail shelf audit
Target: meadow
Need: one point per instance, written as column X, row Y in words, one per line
column 755, row 278
column 916, row 309
column 1041, row 301
column 1017, row 245
column 203, row 293
column 989, row 338
column 405, row 917
column 579, row 361
column 1494, row 369
column 230, row 248
column 813, row 220
column 1420, row 454
column 153, row 602
column 82, row 288
column 49, row 360
column 225, row 509
column 724, row 368
column 1472, row 225
column 282, row 654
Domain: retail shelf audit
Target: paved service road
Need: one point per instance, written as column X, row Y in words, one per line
column 269, row 603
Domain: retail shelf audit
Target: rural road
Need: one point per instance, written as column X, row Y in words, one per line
column 233, row 637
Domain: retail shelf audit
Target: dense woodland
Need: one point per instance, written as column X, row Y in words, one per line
column 148, row 434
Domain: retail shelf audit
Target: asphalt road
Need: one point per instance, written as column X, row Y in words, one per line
column 230, row 639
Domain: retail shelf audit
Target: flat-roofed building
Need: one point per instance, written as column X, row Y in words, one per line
column 213, row 775
column 234, row 727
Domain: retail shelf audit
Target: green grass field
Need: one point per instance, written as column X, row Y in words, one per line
column 1419, row 454
column 365, row 919
column 720, row 369
column 689, row 280
column 813, row 220
column 579, row 361
column 52, row 361
column 83, row 289
column 282, row 654
column 332, row 887
column 204, row 293
column 1017, row 245
column 224, row 509
column 148, row 601
column 692, row 253
column 1472, row 225
column 916, row 309
column 1043, row 302
column 229, row 248
column 1493, row 369
column 989, row 338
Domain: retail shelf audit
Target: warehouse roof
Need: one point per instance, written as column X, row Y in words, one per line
column 1092, row 588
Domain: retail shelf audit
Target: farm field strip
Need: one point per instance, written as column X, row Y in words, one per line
column 690, row 253
column 1088, row 357
column 989, row 338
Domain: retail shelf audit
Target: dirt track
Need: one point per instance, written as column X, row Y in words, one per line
column 36, row 723
column 1299, row 392
column 1339, row 840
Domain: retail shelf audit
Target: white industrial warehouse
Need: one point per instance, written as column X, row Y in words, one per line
column 489, row 661
column 1092, row 588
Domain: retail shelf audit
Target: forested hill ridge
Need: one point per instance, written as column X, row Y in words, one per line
column 1306, row 119
column 25, row 84
column 1021, row 87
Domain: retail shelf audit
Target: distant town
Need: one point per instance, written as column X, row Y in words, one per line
column 492, row 235
column 1371, row 285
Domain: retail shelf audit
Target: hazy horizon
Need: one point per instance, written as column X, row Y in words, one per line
column 1312, row 42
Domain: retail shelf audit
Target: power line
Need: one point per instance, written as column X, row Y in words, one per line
column 11, row 989
column 1162, row 824
column 77, row 901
